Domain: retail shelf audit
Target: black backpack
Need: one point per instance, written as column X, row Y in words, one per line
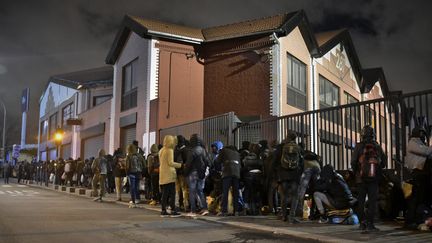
column 290, row 159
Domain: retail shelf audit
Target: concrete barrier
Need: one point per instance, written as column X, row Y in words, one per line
column 71, row 189
column 63, row 188
column 80, row 191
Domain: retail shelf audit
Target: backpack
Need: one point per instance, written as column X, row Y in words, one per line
column 135, row 164
column 369, row 161
column 290, row 156
column 155, row 164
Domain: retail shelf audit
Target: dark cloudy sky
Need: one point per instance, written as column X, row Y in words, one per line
column 39, row 38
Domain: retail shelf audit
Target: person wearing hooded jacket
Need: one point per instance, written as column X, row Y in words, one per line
column 418, row 160
column 332, row 192
column 288, row 179
column 168, row 175
column 368, row 184
column 182, row 189
column 196, row 164
column 153, row 165
column 100, row 168
column 229, row 162
column 134, row 167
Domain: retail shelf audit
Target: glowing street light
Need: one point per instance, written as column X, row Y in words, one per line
column 58, row 136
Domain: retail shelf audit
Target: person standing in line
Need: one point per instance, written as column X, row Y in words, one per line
column 6, row 172
column 100, row 168
column 168, row 175
column 367, row 162
column 134, row 167
column 195, row 169
column 153, row 171
column 119, row 171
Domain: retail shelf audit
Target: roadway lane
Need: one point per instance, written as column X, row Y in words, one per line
column 35, row 215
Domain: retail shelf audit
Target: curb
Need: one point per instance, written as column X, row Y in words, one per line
column 250, row 226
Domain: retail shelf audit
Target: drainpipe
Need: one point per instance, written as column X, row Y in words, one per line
column 169, row 86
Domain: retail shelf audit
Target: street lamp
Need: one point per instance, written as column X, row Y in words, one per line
column 58, row 138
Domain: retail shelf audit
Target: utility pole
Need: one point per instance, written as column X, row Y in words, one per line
column 4, row 131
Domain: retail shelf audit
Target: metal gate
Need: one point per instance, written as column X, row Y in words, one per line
column 216, row 128
column 92, row 145
column 127, row 136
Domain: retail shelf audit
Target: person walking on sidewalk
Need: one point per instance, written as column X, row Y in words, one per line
column 367, row 163
column 134, row 167
column 100, row 170
column 168, row 175
column 6, row 172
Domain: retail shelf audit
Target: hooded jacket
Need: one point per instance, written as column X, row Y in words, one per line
column 197, row 159
column 284, row 174
column 417, row 153
column 99, row 165
column 355, row 163
column 132, row 150
column 154, row 153
column 167, row 172
column 333, row 184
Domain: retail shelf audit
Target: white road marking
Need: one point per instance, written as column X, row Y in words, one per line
column 15, row 193
column 22, row 186
column 6, row 186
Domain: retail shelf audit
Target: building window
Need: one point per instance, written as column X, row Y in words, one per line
column 129, row 86
column 352, row 114
column 97, row 100
column 44, row 130
column 296, row 91
column 52, row 125
column 329, row 97
column 67, row 113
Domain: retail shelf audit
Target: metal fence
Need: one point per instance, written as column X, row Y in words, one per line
column 216, row 128
column 330, row 132
column 333, row 132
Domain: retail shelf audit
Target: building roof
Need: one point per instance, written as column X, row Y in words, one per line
column 280, row 25
column 370, row 77
column 102, row 76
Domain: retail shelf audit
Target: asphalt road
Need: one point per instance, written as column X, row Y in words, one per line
column 36, row 215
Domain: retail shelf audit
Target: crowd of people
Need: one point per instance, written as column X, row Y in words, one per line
column 184, row 176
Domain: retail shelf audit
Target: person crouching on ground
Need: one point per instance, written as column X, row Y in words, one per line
column 168, row 175
column 332, row 193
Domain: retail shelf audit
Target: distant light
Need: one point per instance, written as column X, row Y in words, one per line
column 79, row 86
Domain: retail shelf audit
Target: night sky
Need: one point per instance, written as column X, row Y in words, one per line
column 40, row 38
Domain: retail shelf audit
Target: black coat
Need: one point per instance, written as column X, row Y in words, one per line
column 229, row 161
column 337, row 189
column 197, row 159
column 355, row 163
column 283, row 174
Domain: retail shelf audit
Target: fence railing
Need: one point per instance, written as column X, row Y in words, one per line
column 330, row 132
column 333, row 132
column 216, row 128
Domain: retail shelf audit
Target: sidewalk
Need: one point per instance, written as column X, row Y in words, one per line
column 390, row 232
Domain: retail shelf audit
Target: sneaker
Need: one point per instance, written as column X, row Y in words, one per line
column 132, row 205
column 191, row 214
column 164, row 214
column 204, row 213
column 175, row 214
column 323, row 220
column 96, row 199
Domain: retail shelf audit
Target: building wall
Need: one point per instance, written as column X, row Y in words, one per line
column 135, row 48
column 97, row 115
column 294, row 45
column 237, row 77
column 180, row 85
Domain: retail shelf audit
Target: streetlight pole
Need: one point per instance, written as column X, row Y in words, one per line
column 4, row 130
